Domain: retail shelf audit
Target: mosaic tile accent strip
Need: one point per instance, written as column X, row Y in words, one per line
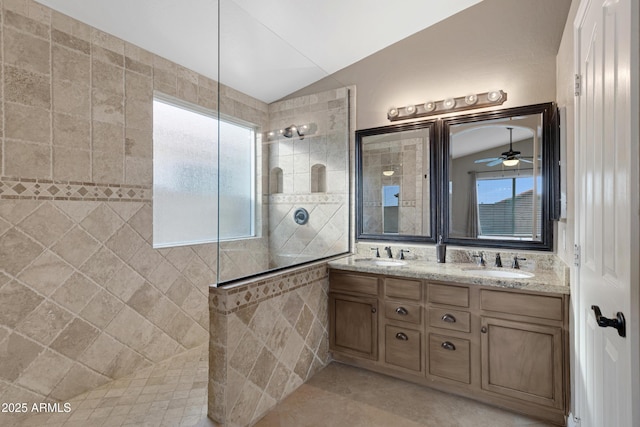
column 46, row 189
column 225, row 300
column 308, row 198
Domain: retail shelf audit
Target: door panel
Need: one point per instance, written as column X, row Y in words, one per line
column 354, row 325
column 606, row 211
column 522, row 360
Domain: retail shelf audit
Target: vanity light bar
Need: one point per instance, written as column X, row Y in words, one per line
column 449, row 105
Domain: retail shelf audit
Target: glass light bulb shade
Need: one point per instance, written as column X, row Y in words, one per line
column 429, row 106
column 410, row 109
column 471, row 99
column 449, row 103
column 387, row 173
column 494, row 96
column 510, row 162
column 393, row 112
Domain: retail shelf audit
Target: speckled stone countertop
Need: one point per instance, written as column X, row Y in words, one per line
column 545, row 281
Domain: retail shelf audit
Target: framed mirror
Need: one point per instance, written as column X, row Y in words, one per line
column 486, row 179
column 499, row 170
column 395, row 185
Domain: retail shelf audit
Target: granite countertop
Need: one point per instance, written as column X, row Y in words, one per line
column 546, row 281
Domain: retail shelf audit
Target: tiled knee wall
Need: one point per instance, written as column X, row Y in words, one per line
column 267, row 338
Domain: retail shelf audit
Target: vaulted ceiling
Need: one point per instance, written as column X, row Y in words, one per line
column 266, row 49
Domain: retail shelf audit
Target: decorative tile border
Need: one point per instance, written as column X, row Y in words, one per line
column 225, row 300
column 308, row 198
column 46, row 189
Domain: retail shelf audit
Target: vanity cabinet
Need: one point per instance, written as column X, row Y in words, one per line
column 502, row 346
column 353, row 315
column 522, row 346
column 522, row 360
column 403, row 342
column 449, row 328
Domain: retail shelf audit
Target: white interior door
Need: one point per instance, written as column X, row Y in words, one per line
column 607, row 365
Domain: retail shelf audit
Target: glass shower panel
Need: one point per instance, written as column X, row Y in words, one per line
column 300, row 151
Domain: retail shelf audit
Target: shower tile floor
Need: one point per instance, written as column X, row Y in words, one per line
column 174, row 394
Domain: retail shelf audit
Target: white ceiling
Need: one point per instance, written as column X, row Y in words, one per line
column 268, row 49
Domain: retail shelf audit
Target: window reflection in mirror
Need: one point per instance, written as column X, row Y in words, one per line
column 500, row 178
column 495, row 179
column 394, row 185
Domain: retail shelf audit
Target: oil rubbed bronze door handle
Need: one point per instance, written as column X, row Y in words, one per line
column 619, row 323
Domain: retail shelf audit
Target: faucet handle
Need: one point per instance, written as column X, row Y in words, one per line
column 377, row 252
column 480, row 257
column 516, row 264
column 402, row 252
column 498, row 260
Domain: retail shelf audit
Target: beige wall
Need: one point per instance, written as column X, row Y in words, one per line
column 565, row 98
column 84, row 298
column 496, row 44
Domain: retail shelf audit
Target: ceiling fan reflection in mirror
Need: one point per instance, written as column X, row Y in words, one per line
column 507, row 158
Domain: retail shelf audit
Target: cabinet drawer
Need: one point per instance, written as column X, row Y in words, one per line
column 450, row 319
column 449, row 295
column 449, row 358
column 401, row 311
column 353, row 283
column 402, row 348
column 403, row 289
column 544, row 307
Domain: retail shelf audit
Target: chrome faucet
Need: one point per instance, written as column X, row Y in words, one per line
column 516, row 264
column 377, row 252
column 402, row 252
column 481, row 261
column 389, row 253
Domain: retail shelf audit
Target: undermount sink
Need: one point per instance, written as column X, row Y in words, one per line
column 502, row 274
column 389, row 263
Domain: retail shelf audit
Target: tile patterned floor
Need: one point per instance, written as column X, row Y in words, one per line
column 343, row 396
column 173, row 394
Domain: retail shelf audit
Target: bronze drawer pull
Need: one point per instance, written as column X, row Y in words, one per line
column 402, row 336
column 448, row 346
column 448, row 318
column 402, row 311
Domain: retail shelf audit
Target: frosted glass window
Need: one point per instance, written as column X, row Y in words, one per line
column 237, row 180
column 185, row 176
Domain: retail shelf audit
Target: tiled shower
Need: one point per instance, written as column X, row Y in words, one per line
column 84, row 296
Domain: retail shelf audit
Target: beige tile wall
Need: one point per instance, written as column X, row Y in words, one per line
column 267, row 338
column 84, row 298
column 326, row 233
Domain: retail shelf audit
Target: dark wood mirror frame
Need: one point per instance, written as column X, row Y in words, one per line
column 430, row 127
column 439, row 131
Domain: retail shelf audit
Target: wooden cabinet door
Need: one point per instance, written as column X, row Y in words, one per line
column 354, row 325
column 522, row 360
